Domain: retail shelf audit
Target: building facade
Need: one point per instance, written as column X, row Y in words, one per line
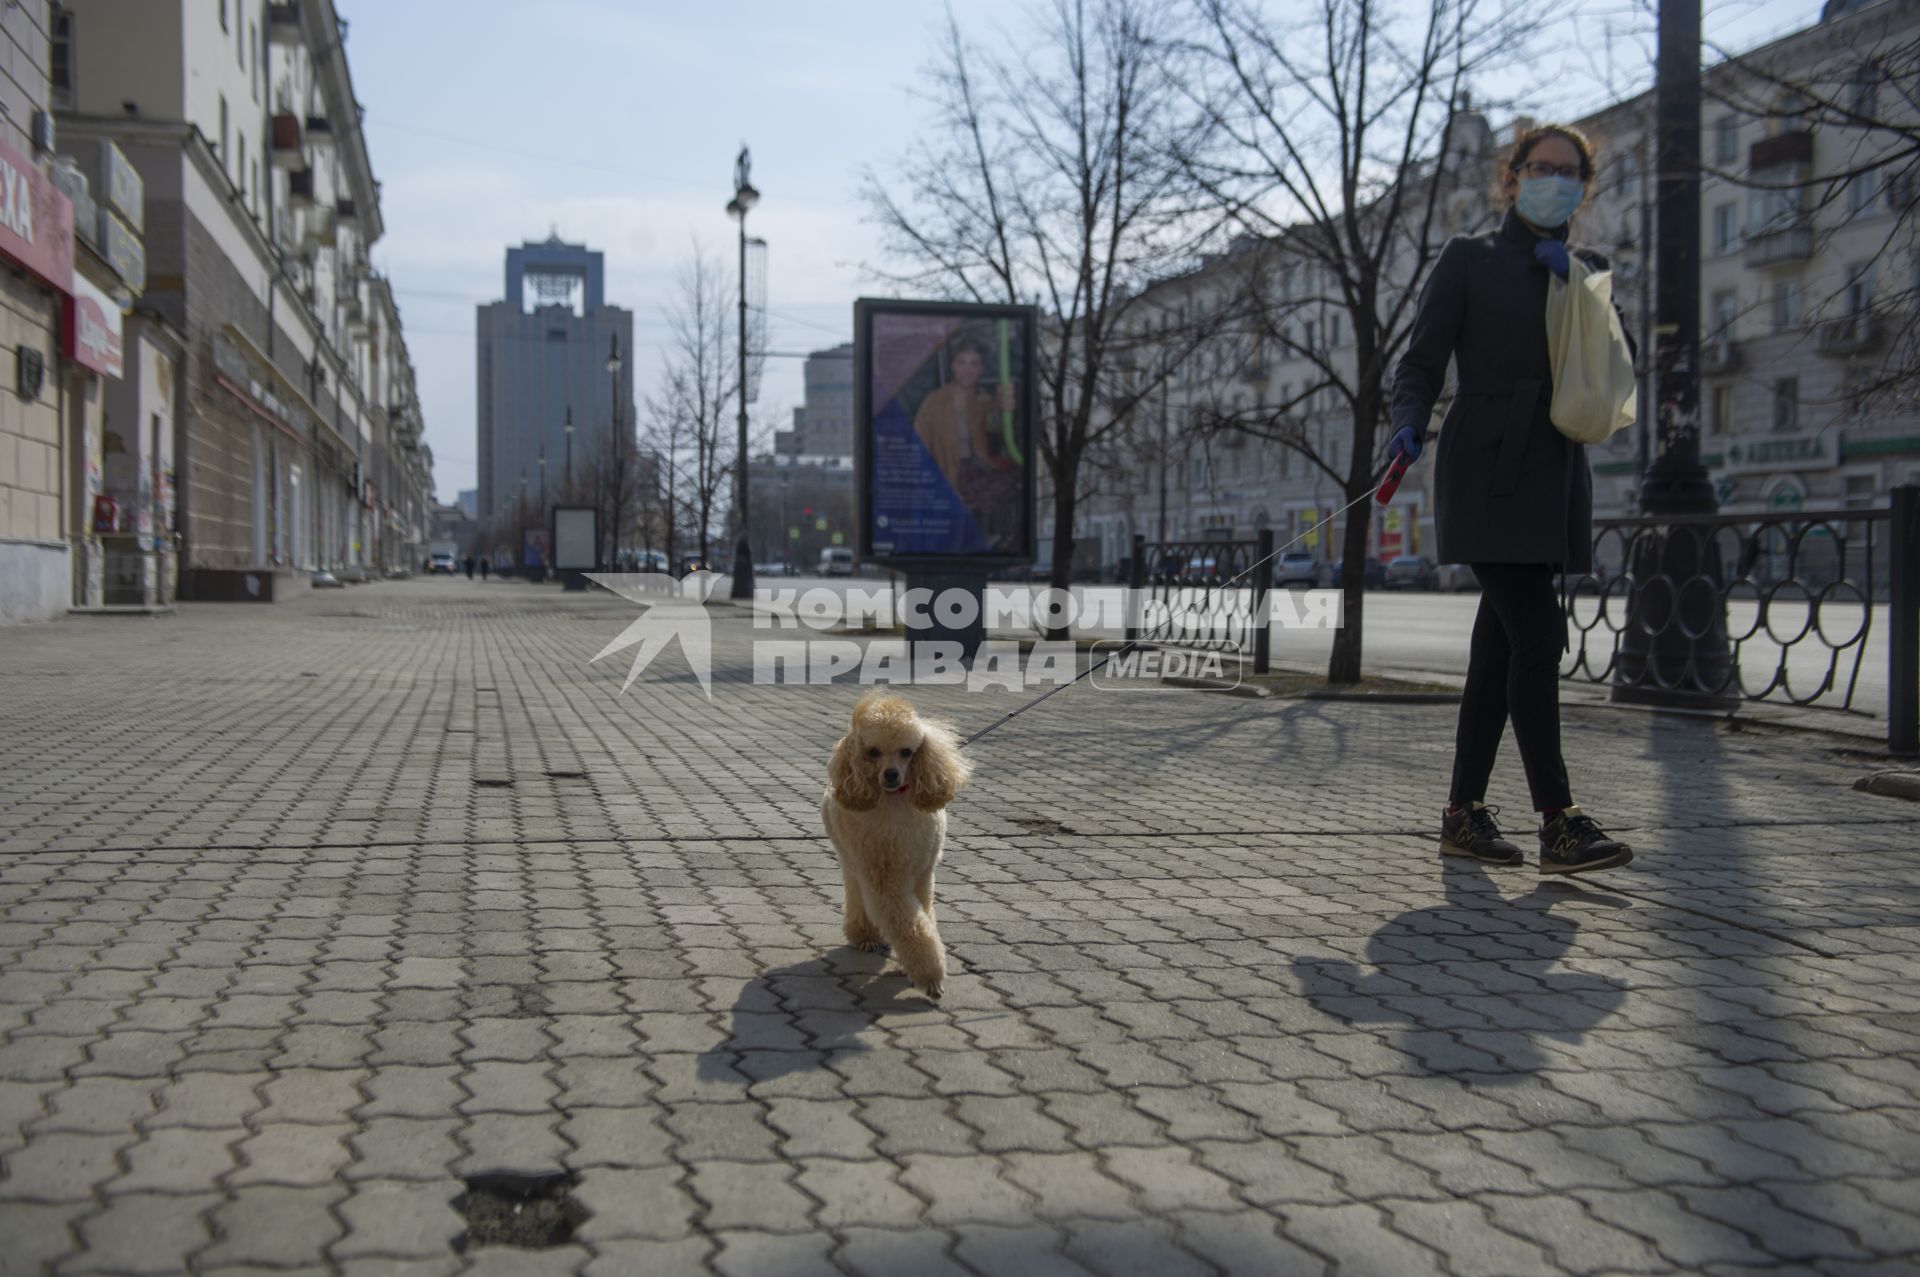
column 547, row 400
column 1804, row 293
column 296, row 427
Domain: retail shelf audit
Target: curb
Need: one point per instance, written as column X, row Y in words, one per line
column 1891, row 785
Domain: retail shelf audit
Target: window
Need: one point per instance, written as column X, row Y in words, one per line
column 1860, row 288
column 1726, row 139
column 1721, row 423
column 61, row 67
column 1866, row 92
column 223, row 15
column 240, row 38
column 1860, row 490
column 1786, row 304
column 240, row 166
column 225, row 154
column 1333, row 331
column 253, row 49
column 1726, row 306
column 1726, row 227
column 1862, row 190
column 1786, row 404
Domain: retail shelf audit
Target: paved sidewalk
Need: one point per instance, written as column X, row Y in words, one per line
column 308, row 912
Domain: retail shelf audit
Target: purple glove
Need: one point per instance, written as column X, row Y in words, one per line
column 1404, row 443
column 1552, row 254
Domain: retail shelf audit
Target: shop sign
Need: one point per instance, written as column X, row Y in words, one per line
column 121, row 187
column 93, row 334
column 124, row 251
column 36, row 220
column 235, row 371
column 1761, row 454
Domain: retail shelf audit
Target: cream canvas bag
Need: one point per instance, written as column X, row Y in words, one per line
column 1593, row 390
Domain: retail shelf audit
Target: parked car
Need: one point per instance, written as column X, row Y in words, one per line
column 1297, row 568
column 769, row 569
column 1455, row 577
column 1373, row 574
column 325, row 580
column 1409, row 572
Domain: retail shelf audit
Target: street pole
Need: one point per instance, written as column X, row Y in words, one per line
column 1659, row 662
column 744, row 198
column 569, row 482
column 619, row 456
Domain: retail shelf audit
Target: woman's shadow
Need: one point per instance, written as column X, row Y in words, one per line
column 795, row 1018
column 1478, row 967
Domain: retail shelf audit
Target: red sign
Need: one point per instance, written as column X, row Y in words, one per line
column 92, row 336
column 36, row 220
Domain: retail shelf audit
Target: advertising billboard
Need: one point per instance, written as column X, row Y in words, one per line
column 944, row 420
column 576, row 540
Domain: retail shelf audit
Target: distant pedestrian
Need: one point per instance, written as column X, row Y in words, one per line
column 485, row 567
column 1512, row 495
column 469, row 567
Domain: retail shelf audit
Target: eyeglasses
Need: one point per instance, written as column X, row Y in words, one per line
column 1540, row 168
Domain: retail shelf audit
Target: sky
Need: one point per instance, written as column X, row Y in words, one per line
column 616, row 123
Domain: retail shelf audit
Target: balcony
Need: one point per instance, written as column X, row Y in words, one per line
column 289, row 143
column 1851, row 335
column 300, row 188
column 1780, row 243
column 1782, row 150
column 283, row 24
column 319, row 130
column 1718, row 357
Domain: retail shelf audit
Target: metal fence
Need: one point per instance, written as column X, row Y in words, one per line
column 1187, row 601
column 1758, row 607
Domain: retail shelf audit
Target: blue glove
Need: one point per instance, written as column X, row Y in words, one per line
column 1405, row 442
column 1552, row 254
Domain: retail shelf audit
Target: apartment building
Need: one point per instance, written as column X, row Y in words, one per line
column 1805, row 292
column 297, row 429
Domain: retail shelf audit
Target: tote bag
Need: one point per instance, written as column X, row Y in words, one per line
column 1593, row 390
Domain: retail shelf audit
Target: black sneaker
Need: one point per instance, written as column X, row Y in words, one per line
column 1471, row 832
column 1571, row 843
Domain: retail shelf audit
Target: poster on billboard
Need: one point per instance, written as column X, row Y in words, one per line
column 944, row 422
column 576, row 540
column 533, row 548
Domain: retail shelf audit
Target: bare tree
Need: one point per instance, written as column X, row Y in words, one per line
column 1051, row 176
column 1334, row 147
column 691, row 408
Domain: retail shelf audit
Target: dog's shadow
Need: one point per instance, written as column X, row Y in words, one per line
column 796, row 1018
column 1440, row 970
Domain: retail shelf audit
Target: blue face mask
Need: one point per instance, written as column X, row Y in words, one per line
column 1548, row 202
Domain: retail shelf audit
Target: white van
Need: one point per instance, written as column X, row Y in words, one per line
column 836, row 560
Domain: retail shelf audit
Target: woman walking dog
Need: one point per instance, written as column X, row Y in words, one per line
column 1513, row 497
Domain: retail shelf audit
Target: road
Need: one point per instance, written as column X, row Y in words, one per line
column 1430, row 633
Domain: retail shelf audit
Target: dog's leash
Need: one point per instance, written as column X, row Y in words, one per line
column 1392, row 475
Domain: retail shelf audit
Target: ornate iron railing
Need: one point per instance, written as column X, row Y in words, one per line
column 1758, row 607
column 1204, row 594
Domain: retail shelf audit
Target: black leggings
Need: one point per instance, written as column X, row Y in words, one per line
column 1513, row 671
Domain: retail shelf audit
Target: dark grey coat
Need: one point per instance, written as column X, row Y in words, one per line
column 1510, row 488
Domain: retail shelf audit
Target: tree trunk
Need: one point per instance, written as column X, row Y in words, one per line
column 1065, row 499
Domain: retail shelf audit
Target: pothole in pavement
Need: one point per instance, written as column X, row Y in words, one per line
column 532, row 1212
column 1042, row 825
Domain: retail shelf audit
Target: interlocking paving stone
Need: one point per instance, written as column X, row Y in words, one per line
column 275, row 973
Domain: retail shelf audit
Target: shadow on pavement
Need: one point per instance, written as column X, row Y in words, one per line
column 795, row 1018
column 1478, row 967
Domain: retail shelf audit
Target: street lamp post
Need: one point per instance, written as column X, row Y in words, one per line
column 744, row 198
column 619, row 448
column 567, row 487
column 1674, row 650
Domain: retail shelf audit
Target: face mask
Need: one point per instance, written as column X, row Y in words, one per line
column 1548, row 202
